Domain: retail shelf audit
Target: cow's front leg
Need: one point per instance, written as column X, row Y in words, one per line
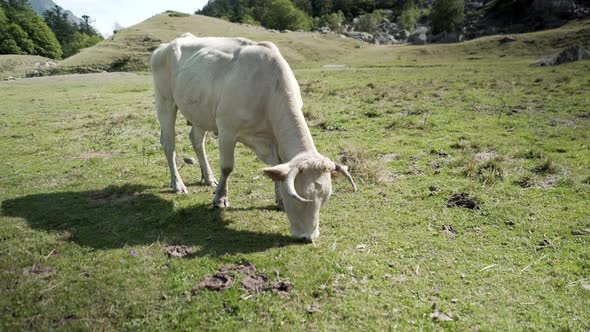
column 227, row 144
column 167, row 118
column 197, row 137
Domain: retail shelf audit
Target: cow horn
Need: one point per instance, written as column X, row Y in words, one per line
column 290, row 185
column 344, row 171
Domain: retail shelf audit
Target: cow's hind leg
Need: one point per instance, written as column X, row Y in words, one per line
column 167, row 116
column 198, row 137
column 227, row 144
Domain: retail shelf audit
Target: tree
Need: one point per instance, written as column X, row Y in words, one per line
column 71, row 37
column 409, row 15
column 283, row 15
column 22, row 31
column 447, row 15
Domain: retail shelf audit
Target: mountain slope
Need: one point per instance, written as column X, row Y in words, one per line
column 41, row 6
column 130, row 48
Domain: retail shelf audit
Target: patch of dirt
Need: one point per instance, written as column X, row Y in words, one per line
column 581, row 232
column 216, row 282
column 440, row 316
column 241, row 267
column 282, row 287
column 313, row 308
column 549, row 181
column 449, row 230
column 545, row 243
column 389, row 157
column 255, row 283
column 485, row 156
column 434, row 189
column 42, row 271
column 439, row 153
column 178, row 251
column 463, row 200
column 68, row 319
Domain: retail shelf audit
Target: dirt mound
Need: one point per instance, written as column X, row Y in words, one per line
column 463, row 200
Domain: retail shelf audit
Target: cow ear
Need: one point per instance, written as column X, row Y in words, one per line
column 278, row 172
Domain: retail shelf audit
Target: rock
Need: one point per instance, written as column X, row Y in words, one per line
column 447, row 37
column 554, row 7
column 418, row 37
column 403, row 34
column 507, row 39
column 474, row 5
column 190, row 161
column 384, row 39
column 286, row 31
column 363, row 36
column 570, row 54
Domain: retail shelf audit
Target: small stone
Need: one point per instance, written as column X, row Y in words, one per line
column 190, row 161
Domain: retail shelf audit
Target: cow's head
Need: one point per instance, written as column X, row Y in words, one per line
column 306, row 184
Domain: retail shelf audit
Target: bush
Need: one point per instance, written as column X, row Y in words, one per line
column 333, row 21
column 172, row 13
column 409, row 15
column 447, row 15
column 368, row 22
column 282, row 15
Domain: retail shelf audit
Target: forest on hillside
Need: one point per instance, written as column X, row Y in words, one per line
column 22, row 31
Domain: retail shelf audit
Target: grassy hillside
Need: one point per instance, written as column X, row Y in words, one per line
column 130, row 48
column 136, row 43
column 20, row 65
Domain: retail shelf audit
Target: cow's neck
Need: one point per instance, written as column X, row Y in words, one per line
column 293, row 137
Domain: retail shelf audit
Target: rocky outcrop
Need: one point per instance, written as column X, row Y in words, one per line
column 418, row 37
column 570, row 54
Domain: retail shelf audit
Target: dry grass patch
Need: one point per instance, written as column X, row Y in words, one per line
column 363, row 165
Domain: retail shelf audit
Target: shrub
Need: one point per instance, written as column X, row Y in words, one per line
column 447, row 15
column 282, row 15
column 409, row 15
column 368, row 22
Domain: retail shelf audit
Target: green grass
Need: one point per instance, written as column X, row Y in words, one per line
column 83, row 182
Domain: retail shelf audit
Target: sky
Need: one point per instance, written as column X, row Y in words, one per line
column 106, row 13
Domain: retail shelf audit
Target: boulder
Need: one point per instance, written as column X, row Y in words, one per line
column 570, row 54
column 554, row 7
column 359, row 35
column 384, row 39
column 418, row 37
column 447, row 37
column 507, row 39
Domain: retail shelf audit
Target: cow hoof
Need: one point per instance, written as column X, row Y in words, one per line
column 211, row 183
column 221, row 203
column 180, row 189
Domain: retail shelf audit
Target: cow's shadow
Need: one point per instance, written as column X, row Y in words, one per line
column 119, row 216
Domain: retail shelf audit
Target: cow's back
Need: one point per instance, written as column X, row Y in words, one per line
column 213, row 78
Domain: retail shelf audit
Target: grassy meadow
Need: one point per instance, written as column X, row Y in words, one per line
column 86, row 212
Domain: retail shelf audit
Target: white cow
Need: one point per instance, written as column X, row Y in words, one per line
column 245, row 92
